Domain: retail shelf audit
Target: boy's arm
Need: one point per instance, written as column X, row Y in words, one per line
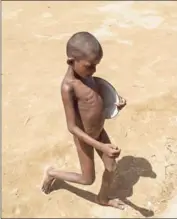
column 67, row 93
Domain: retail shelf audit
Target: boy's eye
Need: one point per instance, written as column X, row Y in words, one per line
column 90, row 66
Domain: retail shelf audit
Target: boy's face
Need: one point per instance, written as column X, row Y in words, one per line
column 86, row 67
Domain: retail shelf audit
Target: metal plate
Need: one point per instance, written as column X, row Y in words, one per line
column 110, row 97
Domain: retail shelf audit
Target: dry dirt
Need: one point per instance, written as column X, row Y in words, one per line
column 140, row 59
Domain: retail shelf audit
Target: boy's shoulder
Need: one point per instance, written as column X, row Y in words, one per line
column 67, row 84
column 67, row 90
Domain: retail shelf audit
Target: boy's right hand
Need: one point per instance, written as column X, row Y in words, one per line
column 111, row 150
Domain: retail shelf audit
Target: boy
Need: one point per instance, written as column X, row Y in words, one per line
column 85, row 118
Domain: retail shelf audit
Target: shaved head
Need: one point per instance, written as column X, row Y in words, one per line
column 83, row 45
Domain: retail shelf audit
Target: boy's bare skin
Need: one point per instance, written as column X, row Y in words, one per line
column 85, row 118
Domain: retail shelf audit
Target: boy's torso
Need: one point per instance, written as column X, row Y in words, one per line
column 88, row 105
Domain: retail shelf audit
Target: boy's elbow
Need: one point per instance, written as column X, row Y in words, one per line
column 71, row 129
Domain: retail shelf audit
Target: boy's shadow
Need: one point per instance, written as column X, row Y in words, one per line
column 129, row 170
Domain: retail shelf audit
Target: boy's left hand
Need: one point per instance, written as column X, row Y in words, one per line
column 122, row 103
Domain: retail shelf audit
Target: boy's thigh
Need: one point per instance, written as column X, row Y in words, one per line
column 86, row 157
column 109, row 163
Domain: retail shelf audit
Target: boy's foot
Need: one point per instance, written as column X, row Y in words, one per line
column 115, row 203
column 48, row 181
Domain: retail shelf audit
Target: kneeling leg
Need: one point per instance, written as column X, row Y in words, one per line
column 87, row 175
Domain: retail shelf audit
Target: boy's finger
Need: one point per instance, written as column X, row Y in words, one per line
column 116, row 152
column 120, row 104
column 116, row 155
column 117, row 104
column 114, row 147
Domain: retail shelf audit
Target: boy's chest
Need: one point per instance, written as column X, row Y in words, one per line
column 87, row 90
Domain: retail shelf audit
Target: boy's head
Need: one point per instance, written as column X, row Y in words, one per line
column 84, row 52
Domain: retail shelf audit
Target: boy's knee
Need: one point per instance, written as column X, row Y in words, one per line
column 111, row 167
column 88, row 181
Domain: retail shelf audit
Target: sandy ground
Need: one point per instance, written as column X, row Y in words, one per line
column 140, row 60
column 171, row 211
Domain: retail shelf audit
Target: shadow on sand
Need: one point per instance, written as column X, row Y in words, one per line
column 128, row 172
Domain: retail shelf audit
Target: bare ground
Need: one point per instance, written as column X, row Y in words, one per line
column 140, row 50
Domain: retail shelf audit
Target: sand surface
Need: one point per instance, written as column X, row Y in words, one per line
column 140, row 59
column 171, row 211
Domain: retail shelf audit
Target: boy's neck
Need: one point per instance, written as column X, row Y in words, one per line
column 78, row 76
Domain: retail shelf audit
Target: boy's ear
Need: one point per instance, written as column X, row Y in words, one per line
column 70, row 61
